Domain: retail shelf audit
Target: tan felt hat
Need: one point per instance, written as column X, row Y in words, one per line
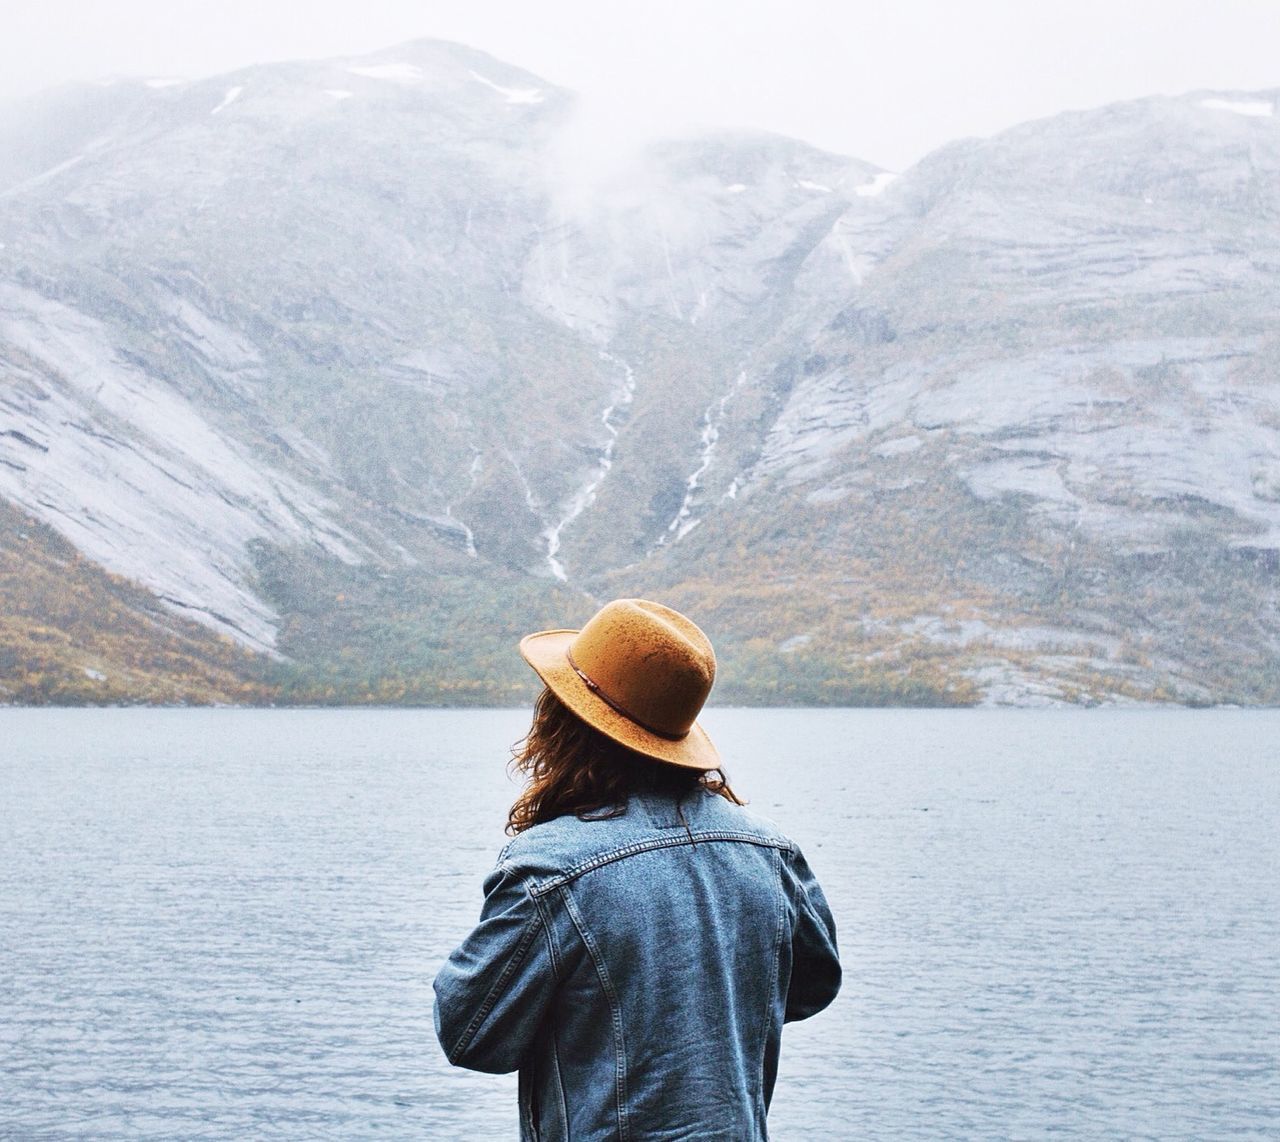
column 638, row 672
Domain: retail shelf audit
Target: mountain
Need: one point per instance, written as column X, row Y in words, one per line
column 366, row 366
column 1042, row 407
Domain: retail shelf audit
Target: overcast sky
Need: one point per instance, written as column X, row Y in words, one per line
column 885, row 81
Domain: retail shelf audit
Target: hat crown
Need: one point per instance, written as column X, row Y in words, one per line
column 647, row 661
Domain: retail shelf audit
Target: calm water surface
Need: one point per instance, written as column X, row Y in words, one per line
column 224, row 924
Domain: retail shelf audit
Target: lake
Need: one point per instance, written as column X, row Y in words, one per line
column 224, row 923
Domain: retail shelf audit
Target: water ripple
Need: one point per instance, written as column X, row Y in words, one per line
column 224, row 924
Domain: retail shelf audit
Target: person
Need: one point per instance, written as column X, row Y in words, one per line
column 644, row 936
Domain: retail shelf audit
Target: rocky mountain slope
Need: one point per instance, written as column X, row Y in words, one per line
column 358, row 365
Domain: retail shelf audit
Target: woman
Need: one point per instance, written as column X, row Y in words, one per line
column 643, row 937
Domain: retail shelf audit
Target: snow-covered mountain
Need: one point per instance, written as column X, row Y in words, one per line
column 333, row 357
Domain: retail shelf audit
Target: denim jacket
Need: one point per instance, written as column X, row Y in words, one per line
column 637, row 970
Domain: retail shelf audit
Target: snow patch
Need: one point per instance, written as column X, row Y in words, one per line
column 736, row 188
column 805, row 184
column 899, row 447
column 698, row 310
column 156, row 84
column 1255, row 108
column 338, row 93
column 219, row 344
column 1020, row 475
column 876, row 186
column 231, row 96
column 1265, row 480
column 395, row 72
column 526, row 95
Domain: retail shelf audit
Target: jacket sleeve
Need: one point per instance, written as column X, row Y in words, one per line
column 815, row 960
column 493, row 991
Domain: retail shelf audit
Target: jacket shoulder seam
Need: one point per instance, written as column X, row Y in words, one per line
column 541, row 888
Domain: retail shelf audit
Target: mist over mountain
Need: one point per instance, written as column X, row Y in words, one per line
column 324, row 381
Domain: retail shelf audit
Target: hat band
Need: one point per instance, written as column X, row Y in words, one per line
column 594, row 687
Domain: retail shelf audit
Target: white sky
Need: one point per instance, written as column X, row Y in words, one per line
column 885, row 81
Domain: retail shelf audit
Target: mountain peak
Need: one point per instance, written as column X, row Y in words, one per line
column 434, row 62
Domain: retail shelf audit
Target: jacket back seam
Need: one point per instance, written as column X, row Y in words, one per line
column 553, row 1032
column 615, row 1012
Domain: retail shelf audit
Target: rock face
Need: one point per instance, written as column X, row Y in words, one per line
column 1072, row 324
column 1089, row 299
column 334, row 357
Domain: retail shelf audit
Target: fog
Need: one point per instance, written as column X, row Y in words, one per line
column 885, row 83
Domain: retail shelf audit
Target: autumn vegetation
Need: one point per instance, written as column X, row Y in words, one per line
column 72, row 634
column 906, row 597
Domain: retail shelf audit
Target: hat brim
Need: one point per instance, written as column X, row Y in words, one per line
column 547, row 652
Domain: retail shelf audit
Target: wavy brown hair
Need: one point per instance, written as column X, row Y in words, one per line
column 574, row 768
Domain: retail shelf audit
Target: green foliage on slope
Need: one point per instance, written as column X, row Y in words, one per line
column 362, row 636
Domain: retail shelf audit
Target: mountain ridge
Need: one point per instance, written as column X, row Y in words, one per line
column 296, row 334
